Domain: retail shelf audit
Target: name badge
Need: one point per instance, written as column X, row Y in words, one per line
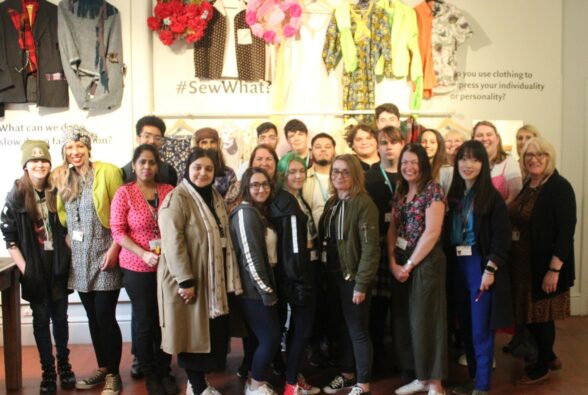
column 313, row 255
column 401, row 243
column 155, row 246
column 516, row 235
column 77, row 235
column 48, row 245
column 223, row 242
column 463, row 250
column 324, row 257
column 387, row 217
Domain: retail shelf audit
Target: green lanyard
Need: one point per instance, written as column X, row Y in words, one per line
column 323, row 192
column 386, row 180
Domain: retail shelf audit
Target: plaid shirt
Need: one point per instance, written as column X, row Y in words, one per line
column 23, row 23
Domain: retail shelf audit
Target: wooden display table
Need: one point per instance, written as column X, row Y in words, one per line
column 11, row 323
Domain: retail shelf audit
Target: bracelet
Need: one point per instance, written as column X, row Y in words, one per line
column 490, row 269
column 554, row 270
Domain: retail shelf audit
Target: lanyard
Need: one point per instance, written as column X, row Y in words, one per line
column 320, row 185
column 153, row 211
column 464, row 221
column 386, row 180
column 307, row 160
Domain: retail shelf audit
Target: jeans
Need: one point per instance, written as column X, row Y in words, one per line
column 55, row 311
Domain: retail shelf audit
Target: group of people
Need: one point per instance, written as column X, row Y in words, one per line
column 312, row 247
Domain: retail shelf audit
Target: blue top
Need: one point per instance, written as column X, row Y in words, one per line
column 462, row 229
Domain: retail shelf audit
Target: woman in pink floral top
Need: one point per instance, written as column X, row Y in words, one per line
column 133, row 221
column 417, row 259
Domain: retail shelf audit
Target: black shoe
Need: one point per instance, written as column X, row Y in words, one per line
column 67, row 378
column 137, row 370
column 48, row 382
column 154, row 386
column 169, row 384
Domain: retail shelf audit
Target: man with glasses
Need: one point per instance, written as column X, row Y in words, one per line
column 150, row 130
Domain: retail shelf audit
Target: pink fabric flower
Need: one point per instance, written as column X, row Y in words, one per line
column 257, row 30
column 269, row 37
column 289, row 31
column 295, row 10
column 276, row 17
column 250, row 17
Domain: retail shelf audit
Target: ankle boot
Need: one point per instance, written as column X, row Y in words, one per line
column 67, row 378
column 48, row 385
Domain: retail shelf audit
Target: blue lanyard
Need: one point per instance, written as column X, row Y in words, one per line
column 386, row 180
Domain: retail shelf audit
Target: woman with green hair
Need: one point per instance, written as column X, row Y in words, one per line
column 292, row 219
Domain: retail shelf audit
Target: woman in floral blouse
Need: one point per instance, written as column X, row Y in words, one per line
column 416, row 257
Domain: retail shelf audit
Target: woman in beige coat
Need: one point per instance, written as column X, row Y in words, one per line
column 196, row 271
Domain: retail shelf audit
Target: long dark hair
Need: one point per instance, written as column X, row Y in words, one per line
column 245, row 192
column 483, row 190
column 424, row 169
column 26, row 192
column 439, row 158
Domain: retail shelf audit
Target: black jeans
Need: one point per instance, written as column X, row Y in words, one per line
column 100, row 308
column 142, row 290
column 354, row 333
column 301, row 325
column 544, row 335
column 56, row 312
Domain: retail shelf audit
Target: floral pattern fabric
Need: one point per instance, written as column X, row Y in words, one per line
column 450, row 29
column 359, row 85
column 410, row 217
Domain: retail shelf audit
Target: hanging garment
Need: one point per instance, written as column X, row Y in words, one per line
column 411, row 130
column 209, row 52
column 360, row 36
column 90, row 39
column 450, row 30
column 424, row 15
column 405, row 54
column 30, row 63
column 175, row 151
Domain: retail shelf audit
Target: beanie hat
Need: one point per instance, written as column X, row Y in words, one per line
column 34, row 150
column 77, row 133
column 205, row 133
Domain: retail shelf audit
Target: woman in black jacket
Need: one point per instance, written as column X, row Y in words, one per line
column 292, row 219
column 477, row 238
column 544, row 220
column 255, row 243
column 35, row 241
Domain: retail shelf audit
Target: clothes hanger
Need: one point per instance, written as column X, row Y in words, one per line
column 180, row 129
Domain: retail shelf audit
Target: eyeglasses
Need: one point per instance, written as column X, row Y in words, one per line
column 343, row 173
column 537, row 155
column 147, row 135
column 260, row 185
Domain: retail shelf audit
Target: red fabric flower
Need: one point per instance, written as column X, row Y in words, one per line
column 166, row 37
column 173, row 19
column 153, row 23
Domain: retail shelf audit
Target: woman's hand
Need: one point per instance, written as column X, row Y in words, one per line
column 487, row 281
column 399, row 273
column 358, row 297
column 550, row 282
column 187, row 294
column 110, row 259
column 150, row 258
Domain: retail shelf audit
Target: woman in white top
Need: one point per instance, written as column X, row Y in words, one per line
column 505, row 171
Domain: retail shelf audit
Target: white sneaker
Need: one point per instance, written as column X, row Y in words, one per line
column 265, row 389
column 463, row 361
column 412, row 388
column 210, row 391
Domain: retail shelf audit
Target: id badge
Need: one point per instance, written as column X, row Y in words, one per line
column 463, row 250
column 387, row 217
column 324, row 257
column 516, row 235
column 401, row 243
column 48, row 245
column 313, row 255
column 223, row 242
column 77, row 235
column 155, row 246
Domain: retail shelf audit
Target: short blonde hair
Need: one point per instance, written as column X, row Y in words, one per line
column 454, row 132
column 542, row 145
column 529, row 128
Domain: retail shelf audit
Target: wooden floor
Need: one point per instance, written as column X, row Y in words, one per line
column 571, row 347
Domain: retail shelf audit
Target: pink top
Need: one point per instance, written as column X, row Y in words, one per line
column 132, row 215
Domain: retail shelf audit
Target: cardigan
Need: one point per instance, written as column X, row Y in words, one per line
column 50, row 79
column 493, row 236
column 107, row 179
column 553, row 224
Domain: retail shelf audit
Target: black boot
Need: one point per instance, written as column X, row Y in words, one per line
column 48, row 385
column 67, row 378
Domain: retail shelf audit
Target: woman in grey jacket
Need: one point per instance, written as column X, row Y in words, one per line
column 255, row 244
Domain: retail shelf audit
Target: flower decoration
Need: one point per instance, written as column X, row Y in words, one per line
column 180, row 20
column 274, row 20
